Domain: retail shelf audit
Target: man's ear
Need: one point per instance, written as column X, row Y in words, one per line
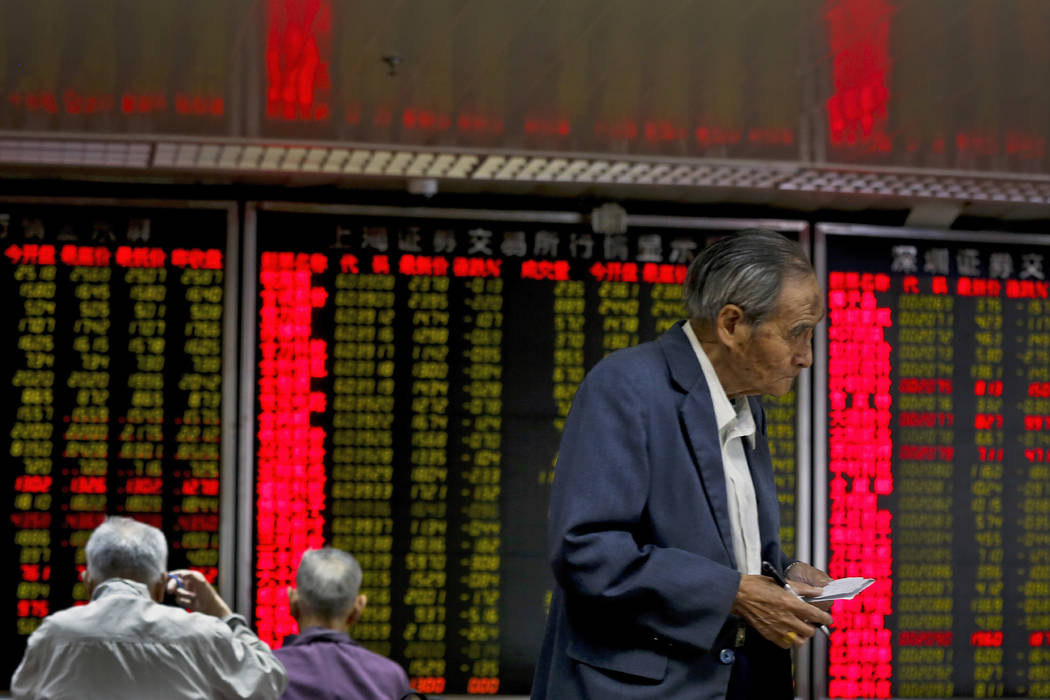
column 293, row 602
column 89, row 583
column 357, row 610
column 157, row 590
column 729, row 324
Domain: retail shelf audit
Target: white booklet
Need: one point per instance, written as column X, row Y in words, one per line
column 841, row 589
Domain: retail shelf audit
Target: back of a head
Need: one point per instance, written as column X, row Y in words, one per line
column 747, row 269
column 328, row 582
column 125, row 548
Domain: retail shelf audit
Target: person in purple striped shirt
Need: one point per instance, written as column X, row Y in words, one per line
column 323, row 661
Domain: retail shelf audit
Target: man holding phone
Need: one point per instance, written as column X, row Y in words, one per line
column 125, row 644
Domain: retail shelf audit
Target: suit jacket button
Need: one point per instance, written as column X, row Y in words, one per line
column 727, row 656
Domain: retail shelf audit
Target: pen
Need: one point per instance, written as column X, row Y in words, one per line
column 770, row 571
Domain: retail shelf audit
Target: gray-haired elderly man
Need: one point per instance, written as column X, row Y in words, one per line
column 322, row 660
column 664, row 507
column 125, row 644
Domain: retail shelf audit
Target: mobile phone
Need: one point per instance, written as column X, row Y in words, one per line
column 169, row 596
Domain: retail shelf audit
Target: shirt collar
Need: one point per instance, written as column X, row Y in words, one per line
column 121, row 586
column 733, row 417
column 319, row 634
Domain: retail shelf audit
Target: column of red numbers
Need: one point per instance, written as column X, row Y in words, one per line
column 290, row 485
column 860, row 449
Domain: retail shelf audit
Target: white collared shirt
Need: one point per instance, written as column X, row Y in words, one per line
column 735, row 423
column 124, row 645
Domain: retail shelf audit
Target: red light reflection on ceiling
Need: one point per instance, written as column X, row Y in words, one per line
column 73, row 102
column 858, row 35
column 298, row 52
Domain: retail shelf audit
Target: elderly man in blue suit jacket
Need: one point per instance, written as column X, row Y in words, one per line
column 664, row 504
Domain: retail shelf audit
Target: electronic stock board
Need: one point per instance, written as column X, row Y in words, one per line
column 414, row 370
column 113, row 338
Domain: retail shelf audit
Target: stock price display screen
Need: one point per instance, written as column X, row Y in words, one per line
column 413, row 379
column 111, row 339
column 938, row 398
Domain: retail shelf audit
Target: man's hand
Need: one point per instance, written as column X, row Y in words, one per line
column 197, row 594
column 776, row 613
column 800, row 572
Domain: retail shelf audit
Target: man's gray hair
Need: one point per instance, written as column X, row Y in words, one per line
column 747, row 269
column 328, row 581
column 125, row 548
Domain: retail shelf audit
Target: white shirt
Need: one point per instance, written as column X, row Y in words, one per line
column 735, row 422
column 123, row 644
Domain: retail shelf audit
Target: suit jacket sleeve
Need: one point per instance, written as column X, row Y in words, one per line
column 618, row 575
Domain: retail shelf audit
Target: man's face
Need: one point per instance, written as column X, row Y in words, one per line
column 781, row 346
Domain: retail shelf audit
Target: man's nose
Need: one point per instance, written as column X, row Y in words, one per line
column 804, row 357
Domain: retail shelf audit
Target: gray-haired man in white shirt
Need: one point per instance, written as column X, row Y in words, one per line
column 125, row 644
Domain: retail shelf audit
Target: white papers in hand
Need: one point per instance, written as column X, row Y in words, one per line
column 841, row 589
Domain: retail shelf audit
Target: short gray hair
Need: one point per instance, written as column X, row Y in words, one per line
column 746, row 268
column 125, row 548
column 328, row 581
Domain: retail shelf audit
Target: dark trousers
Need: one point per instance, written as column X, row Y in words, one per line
column 761, row 671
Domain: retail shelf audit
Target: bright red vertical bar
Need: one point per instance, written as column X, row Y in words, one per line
column 858, row 37
column 298, row 53
column 860, row 448
column 290, row 476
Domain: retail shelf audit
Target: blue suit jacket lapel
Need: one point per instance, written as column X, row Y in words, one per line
column 697, row 416
column 760, row 466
